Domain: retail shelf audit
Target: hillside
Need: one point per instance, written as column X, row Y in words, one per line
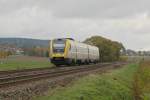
column 24, row 42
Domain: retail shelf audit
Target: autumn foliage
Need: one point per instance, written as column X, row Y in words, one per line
column 4, row 54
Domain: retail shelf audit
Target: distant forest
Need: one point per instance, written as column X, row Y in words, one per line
column 24, row 42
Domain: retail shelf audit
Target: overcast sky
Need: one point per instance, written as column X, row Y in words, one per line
column 127, row 21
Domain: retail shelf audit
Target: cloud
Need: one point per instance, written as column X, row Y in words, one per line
column 125, row 21
column 98, row 8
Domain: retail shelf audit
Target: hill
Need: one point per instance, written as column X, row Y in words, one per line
column 24, row 42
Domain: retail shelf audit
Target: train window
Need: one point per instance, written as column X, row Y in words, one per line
column 59, row 46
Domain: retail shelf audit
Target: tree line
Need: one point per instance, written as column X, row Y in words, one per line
column 36, row 51
column 109, row 50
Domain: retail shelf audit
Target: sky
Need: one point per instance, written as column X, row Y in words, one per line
column 126, row 21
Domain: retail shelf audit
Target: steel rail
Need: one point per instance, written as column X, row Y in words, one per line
column 9, row 80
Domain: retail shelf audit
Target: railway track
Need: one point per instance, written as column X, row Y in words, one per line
column 18, row 77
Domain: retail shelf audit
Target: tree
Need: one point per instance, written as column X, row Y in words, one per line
column 109, row 50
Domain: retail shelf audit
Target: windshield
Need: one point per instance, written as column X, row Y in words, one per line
column 59, row 46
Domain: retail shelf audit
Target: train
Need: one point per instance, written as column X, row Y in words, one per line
column 67, row 51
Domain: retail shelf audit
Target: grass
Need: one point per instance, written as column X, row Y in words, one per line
column 23, row 62
column 142, row 82
column 128, row 83
column 115, row 85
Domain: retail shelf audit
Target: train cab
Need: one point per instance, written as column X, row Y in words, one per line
column 58, row 51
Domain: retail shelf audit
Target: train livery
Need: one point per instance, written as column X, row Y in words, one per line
column 66, row 51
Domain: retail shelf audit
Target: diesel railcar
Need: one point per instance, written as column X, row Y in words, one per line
column 67, row 51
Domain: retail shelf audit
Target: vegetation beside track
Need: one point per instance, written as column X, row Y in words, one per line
column 115, row 85
column 141, row 84
column 23, row 62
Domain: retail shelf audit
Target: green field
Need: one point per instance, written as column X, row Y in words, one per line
column 23, row 62
column 115, row 85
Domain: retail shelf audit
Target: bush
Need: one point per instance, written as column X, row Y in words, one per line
column 4, row 54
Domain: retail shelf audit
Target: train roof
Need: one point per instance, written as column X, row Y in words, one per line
column 64, row 39
column 70, row 39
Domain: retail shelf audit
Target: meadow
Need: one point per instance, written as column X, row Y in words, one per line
column 23, row 62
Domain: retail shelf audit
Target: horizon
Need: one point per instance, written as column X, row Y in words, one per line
column 65, row 37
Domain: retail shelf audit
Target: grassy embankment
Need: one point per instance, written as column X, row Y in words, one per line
column 142, row 82
column 23, row 62
column 115, row 85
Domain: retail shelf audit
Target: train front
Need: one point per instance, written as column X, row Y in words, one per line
column 58, row 51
